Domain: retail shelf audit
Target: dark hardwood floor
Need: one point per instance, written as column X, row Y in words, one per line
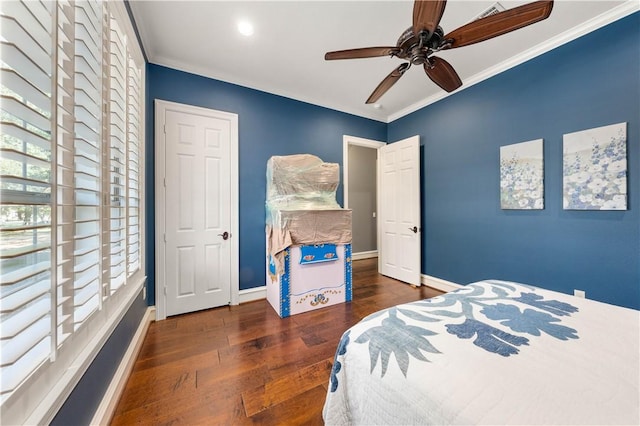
column 244, row 364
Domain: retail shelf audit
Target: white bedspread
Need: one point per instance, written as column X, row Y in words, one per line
column 493, row 352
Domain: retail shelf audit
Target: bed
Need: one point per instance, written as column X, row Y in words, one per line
column 492, row 352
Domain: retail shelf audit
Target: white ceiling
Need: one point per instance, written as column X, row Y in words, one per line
column 285, row 56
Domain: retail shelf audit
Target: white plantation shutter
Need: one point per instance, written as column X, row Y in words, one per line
column 134, row 101
column 88, row 129
column 118, row 157
column 26, row 168
column 71, row 213
column 63, row 172
column 105, row 157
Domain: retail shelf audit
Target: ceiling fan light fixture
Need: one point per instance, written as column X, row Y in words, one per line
column 245, row 28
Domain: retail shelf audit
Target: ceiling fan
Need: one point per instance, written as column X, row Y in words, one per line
column 425, row 37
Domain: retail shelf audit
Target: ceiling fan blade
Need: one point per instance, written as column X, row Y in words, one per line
column 388, row 81
column 365, row 52
column 442, row 73
column 427, row 15
column 500, row 23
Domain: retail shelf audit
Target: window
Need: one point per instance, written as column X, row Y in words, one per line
column 71, row 257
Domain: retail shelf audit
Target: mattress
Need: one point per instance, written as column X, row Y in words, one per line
column 493, row 352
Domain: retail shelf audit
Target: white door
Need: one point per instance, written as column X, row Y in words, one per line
column 399, row 210
column 197, row 212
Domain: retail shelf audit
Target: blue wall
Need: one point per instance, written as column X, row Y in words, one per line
column 590, row 82
column 268, row 125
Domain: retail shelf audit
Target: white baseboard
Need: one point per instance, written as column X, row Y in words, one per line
column 364, row 255
column 258, row 293
column 438, row 283
column 107, row 407
column 251, row 294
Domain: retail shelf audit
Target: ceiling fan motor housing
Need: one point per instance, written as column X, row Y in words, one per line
column 411, row 48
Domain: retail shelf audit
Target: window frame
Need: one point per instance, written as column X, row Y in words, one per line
column 38, row 399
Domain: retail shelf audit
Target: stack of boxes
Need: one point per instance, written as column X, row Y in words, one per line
column 308, row 235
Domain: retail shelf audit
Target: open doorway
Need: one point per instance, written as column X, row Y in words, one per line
column 360, row 192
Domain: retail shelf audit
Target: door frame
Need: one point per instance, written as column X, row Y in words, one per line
column 161, row 108
column 367, row 143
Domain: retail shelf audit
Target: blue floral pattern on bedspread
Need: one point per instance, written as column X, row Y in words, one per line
column 473, row 312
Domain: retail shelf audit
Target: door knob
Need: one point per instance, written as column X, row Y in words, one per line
column 224, row 235
column 414, row 229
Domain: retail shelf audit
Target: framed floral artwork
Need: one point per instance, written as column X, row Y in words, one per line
column 522, row 176
column 595, row 169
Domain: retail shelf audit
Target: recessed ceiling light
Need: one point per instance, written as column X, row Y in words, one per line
column 245, row 28
column 377, row 106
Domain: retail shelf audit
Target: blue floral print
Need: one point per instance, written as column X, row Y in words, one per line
column 500, row 318
column 488, row 338
column 595, row 177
